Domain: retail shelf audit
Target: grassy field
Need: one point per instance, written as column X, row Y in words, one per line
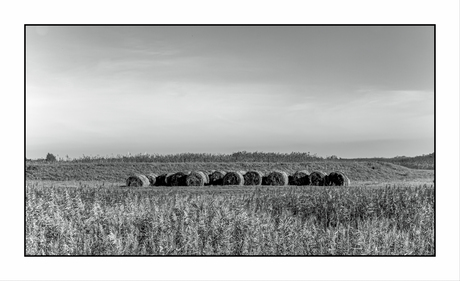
column 84, row 209
column 108, row 220
column 118, row 172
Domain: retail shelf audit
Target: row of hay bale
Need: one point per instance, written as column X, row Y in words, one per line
column 199, row 178
column 320, row 178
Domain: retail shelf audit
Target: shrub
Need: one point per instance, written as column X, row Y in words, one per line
column 50, row 157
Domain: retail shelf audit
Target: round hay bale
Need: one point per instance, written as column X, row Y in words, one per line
column 253, row 178
column 233, row 178
column 318, row 178
column 216, row 177
column 137, row 180
column 196, row 178
column 329, row 179
column 301, row 178
column 168, row 179
column 161, row 180
column 207, row 178
column 338, row 178
column 290, row 180
column 152, row 178
column 326, row 180
column 264, row 180
column 277, row 178
column 177, row 179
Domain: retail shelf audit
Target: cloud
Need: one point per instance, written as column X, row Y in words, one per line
column 188, row 89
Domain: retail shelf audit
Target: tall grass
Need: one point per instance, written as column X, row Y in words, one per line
column 418, row 162
column 390, row 220
column 240, row 156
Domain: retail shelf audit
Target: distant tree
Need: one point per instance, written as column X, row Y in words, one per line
column 50, row 157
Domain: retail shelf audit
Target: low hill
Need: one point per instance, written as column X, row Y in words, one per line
column 423, row 162
column 417, row 162
column 118, row 172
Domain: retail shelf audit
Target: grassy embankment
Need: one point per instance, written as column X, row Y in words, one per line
column 118, row 172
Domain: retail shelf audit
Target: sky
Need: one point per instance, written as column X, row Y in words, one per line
column 349, row 91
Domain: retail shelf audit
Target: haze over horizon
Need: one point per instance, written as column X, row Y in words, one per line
column 360, row 91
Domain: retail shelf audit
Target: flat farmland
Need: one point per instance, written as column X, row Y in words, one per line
column 86, row 209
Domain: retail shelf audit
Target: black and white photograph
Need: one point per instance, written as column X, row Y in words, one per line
column 287, row 140
column 230, row 140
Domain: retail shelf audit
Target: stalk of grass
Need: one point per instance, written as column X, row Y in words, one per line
column 388, row 220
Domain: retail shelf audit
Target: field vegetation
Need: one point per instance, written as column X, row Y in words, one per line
column 97, row 219
column 118, row 172
column 425, row 162
column 83, row 207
